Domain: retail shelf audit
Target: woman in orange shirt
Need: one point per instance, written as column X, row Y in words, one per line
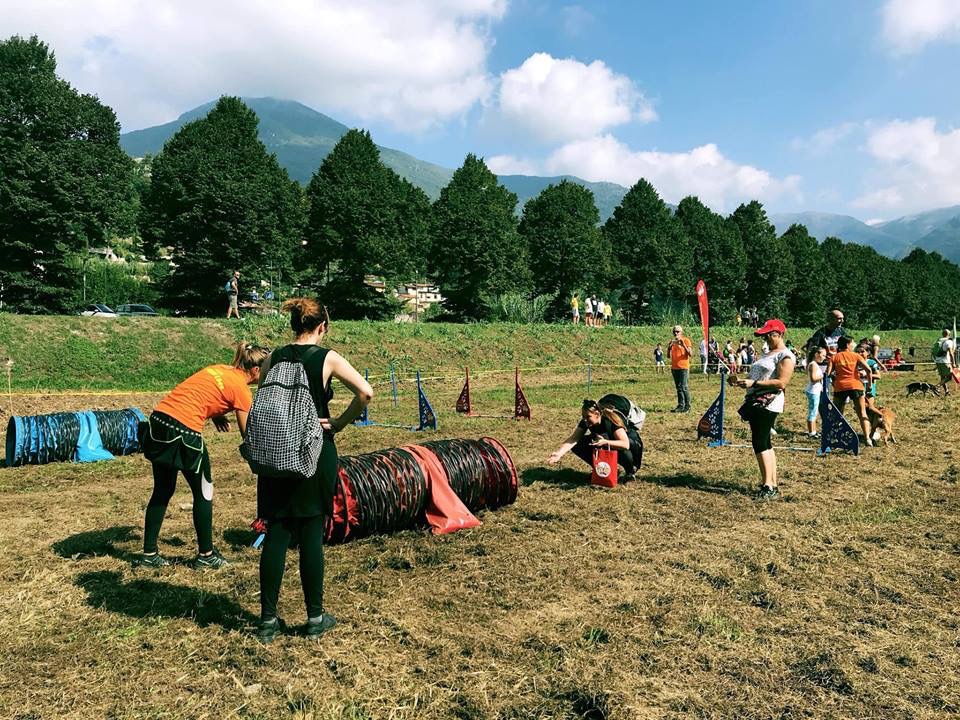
column 173, row 443
column 844, row 367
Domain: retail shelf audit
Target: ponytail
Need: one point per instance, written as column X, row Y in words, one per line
column 249, row 356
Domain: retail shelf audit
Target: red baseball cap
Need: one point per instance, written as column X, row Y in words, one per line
column 772, row 325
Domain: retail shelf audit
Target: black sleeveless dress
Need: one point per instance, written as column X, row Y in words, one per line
column 313, row 496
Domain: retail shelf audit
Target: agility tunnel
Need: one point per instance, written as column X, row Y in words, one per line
column 440, row 484
column 84, row 436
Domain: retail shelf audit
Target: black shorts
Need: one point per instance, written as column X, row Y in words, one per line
column 761, row 423
column 840, row 397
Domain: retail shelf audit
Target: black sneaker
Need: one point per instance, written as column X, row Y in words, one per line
column 213, row 561
column 768, row 493
column 677, row 409
column 316, row 628
column 628, row 477
column 156, row 560
column 269, row 629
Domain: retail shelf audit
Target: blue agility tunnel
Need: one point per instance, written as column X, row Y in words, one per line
column 85, row 436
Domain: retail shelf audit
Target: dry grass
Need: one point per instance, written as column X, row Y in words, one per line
column 676, row 596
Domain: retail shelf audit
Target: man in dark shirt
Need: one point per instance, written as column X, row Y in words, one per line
column 827, row 336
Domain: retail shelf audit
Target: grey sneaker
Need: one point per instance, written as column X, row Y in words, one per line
column 156, row 560
column 269, row 629
column 768, row 493
column 317, row 627
column 213, row 561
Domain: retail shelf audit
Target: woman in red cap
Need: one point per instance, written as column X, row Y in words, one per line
column 769, row 375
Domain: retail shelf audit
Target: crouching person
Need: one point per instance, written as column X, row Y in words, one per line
column 602, row 426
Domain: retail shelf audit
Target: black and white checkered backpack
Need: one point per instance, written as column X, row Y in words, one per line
column 284, row 437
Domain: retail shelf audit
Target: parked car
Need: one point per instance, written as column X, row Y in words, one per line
column 98, row 310
column 139, row 310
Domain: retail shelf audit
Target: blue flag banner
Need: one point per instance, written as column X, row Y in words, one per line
column 835, row 432
column 711, row 424
column 428, row 418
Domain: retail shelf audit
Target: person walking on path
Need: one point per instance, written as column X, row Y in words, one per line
column 680, row 351
column 173, row 443
column 233, row 295
column 769, row 376
column 297, row 509
column 945, row 359
column 844, row 367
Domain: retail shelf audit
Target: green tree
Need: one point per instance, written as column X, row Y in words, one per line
column 770, row 275
column 718, row 256
column 652, row 250
column 65, row 184
column 560, row 229
column 363, row 219
column 477, row 253
column 221, row 202
column 808, row 300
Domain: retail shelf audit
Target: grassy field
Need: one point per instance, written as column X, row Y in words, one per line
column 677, row 596
column 73, row 353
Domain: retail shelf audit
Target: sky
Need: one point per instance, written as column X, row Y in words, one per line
column 846, row 107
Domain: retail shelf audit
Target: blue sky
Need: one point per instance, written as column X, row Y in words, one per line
column 843, row 107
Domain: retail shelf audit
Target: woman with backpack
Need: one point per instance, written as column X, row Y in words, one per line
column 173, row 444
column 297, row 509
column 603, row 426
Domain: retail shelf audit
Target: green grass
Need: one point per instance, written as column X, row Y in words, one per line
column 74, row 353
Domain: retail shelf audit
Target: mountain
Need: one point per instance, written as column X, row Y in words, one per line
column 845, row 227
column 910, row 228
column 301, row 137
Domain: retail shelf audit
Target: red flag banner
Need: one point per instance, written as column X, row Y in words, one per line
column 704, row 309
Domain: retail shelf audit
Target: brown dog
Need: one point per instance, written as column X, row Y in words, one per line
column 881, row 420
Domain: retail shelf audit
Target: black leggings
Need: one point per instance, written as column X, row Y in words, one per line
column 761, row 423
column 164, row 483
column 309, row 533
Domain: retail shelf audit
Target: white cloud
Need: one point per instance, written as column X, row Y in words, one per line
column 412, row 63
column 909, row 25
column 557, row 100
column 825, row 139
column 918, row 167
column 704, row 171
column 511, row 165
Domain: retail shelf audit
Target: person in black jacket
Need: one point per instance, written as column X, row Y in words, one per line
column 298, row 509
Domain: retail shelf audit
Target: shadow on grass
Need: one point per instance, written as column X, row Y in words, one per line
column 238, row 538
column 95, row 543
column 565, row 478
column 144, row 598
column 697, row 482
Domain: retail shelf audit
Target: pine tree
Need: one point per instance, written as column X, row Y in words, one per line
column 770, row 275
column 560, row 229
column 652, row 251
column 718, row 256
column 363, row 219
column 65, row 184
column 808, row 300
column 222, row 203
column 477, row 253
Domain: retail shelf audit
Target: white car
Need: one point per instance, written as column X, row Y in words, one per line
column 98, row 310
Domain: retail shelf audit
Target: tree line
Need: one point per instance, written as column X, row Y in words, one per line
column 214, row 200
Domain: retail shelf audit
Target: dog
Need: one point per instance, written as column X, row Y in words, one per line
column 922, row 387
column 881, row 422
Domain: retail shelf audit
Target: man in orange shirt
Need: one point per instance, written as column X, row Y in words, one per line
column 680, row 351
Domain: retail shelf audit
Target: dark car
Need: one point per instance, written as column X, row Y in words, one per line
column 139, row 310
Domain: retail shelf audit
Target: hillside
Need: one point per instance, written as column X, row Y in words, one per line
column 156, row 353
